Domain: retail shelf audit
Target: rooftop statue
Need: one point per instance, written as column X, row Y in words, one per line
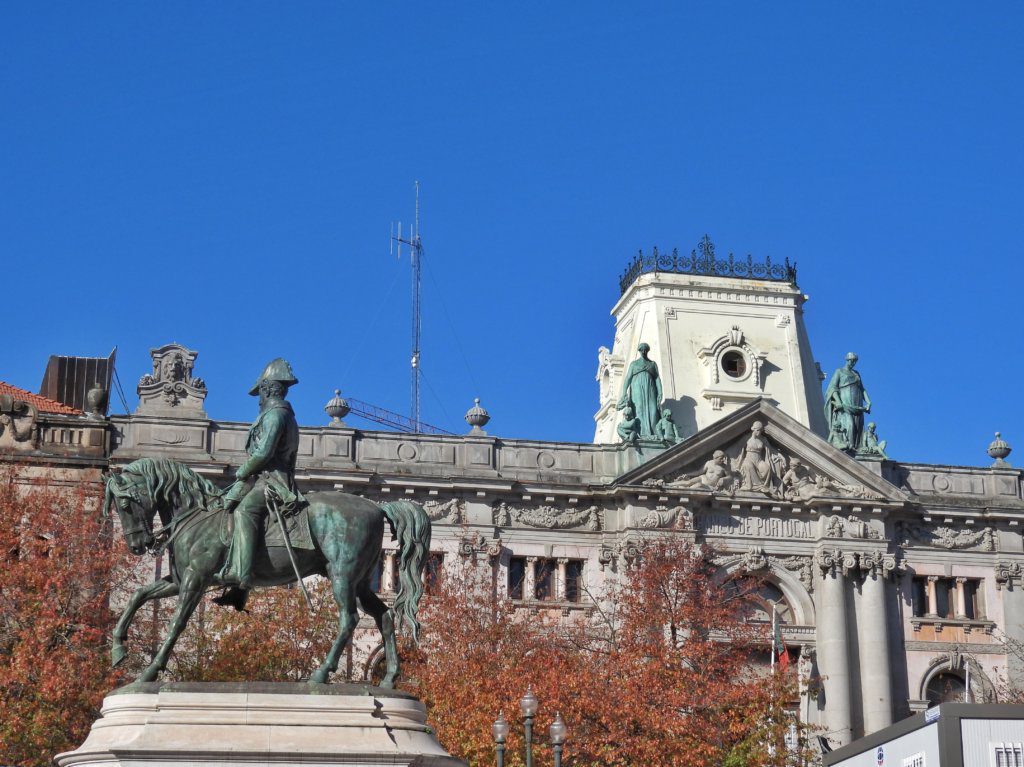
column 328, row 533
column 666, row 428
column 641, row 388
column 629, row 427
column 846, row 402
column 870, row 445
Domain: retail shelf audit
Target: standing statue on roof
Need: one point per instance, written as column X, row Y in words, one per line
column 846, row 402
column 272, row 446
column 641, row 388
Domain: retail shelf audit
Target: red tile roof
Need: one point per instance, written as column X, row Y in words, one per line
column 42, row 404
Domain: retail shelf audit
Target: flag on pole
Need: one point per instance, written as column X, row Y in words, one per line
column 778, row 646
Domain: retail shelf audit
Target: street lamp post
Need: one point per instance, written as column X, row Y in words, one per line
column 529, row 705
column 500, row 731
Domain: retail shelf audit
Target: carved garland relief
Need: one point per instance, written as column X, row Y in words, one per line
column 547, row 517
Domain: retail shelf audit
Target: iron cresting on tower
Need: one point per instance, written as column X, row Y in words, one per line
column 723, row 331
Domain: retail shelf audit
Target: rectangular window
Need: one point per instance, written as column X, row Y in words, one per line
column 516, row 577
column 943, row 600
column 919, row 596
column 574, row 580
column 971, row 599
column 432, row 571
column 544, row 580
column 947, row 598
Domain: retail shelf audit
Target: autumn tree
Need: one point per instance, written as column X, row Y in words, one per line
column 664, row 669
column 60, row 566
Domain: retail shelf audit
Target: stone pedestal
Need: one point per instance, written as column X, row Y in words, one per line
column 258, row 723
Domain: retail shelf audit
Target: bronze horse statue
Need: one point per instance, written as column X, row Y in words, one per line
column 346, row 533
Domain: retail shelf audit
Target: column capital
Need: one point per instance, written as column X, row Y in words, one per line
column 835, row 561
column 961, row 580
column 563, row 560
column 876, row 564
column 933, row 578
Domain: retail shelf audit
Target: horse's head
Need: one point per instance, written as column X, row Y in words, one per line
column 129, row 494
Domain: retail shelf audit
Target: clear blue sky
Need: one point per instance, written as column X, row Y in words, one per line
column 225, row 175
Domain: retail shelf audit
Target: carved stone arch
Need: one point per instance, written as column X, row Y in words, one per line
column 801, row 605
column 712, row 354
column 955, row 662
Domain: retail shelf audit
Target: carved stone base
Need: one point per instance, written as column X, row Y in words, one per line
column 256, row 724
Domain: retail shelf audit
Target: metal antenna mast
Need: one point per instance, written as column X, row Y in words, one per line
column 416, row 244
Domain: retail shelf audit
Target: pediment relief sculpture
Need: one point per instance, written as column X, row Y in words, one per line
column 757, row 466
column 547, row 517
column 912, row 534
column 18, row 423
column 172, row 386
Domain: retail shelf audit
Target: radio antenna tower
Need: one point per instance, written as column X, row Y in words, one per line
column 416, row 246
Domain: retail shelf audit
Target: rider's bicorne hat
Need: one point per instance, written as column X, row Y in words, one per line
column 276, row 370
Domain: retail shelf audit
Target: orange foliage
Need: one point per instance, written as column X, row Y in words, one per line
column 662, row 671
column 59, row 569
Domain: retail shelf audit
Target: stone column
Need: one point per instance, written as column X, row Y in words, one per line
column 387, row 580
column 530, row 580
column 560, row 579
column 833, row 646
column 961, row 601
column 873, row 641
column 933, row 602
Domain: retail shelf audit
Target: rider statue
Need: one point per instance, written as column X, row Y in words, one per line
column 272, row 446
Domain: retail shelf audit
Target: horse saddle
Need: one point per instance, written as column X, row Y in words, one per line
column 297, row 526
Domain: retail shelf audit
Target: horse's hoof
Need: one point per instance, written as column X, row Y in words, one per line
column 319, row 677
column 388, row 684
column 117, row 654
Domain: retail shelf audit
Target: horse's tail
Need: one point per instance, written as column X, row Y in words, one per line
column 412, row 529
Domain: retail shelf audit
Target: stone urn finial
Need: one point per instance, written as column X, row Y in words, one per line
column 999, row 449
column 477, row 417
column 96, row 401
column 337, row 408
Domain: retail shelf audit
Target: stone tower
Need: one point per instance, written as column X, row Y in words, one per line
column 723, row 331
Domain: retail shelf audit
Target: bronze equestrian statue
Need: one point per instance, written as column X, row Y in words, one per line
column 332, row 534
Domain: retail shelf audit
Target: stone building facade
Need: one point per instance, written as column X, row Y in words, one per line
column 891, row 579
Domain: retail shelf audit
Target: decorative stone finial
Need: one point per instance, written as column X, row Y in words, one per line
column 999, row 449
column 477, row 417
column 96, row 401
column 337, row 408
column 171, row 389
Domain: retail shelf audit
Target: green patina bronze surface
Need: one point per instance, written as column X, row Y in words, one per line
column 346, row 530
column 870, row 445
column 666, row 428
column 846, row 402
column 641, row 389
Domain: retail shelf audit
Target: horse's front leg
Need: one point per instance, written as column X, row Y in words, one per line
column 190, row 592
column 155, row 590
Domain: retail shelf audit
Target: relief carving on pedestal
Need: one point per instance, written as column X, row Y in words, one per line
column 547, row 517
column 911, row 534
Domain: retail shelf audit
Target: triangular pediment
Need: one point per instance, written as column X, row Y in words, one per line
column 760, row 452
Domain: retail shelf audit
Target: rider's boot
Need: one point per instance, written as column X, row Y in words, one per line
column 233, row 597
column 243, row 545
